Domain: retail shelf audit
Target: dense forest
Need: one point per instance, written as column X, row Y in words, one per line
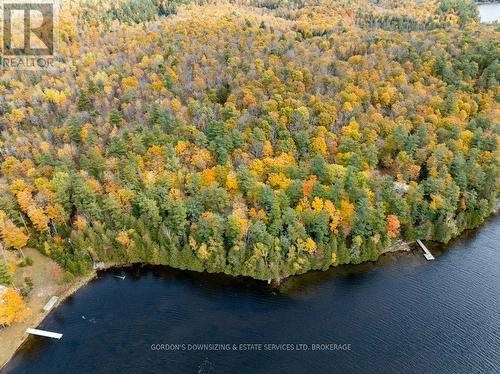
column 254, row 137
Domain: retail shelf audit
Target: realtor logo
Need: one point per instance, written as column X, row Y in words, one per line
column 28, row 34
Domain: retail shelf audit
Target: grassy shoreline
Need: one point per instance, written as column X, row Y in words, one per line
column 16, row 334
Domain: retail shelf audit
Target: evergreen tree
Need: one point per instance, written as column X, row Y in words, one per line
column 5, row 277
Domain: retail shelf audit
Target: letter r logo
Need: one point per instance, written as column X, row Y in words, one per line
column 28, row 29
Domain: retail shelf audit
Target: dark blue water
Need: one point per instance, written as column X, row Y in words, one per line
column 399, row 315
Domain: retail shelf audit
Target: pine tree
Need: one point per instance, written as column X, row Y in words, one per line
column 84, row 102
column 115, row 118
column 5, row 278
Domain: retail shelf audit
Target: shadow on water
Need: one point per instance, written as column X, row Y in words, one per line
column 294, row 285
column 465, row 239
column 203, row 280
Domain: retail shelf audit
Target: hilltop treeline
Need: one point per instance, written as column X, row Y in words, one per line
column 261, row 138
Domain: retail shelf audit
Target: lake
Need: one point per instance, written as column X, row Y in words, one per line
column 400, row 314
column 489, row 12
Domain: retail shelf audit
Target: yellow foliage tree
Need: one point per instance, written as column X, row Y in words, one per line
column 231, row 181
column 25, row 200
column 317, row 205
column 39, row 219
column 54, row 96
column 12, row 308
column 12, row 235
column 346, row 215
column 129, row 83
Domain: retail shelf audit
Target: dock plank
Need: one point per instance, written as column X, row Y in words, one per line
column 47, row 334
column 51, row 303
column 428, row 255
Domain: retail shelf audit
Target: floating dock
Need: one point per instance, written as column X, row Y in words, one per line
column 51, row 303
column 428, row 256
column 47, row 334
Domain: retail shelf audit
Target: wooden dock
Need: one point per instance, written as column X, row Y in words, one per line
column 51, row 303
column 428, row 256
column 47, row 334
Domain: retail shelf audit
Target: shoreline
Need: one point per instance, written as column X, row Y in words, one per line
column 399, row 246
column 39, row 316
column 82, row 281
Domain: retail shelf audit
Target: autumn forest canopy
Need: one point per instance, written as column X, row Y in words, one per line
column 255, row 137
